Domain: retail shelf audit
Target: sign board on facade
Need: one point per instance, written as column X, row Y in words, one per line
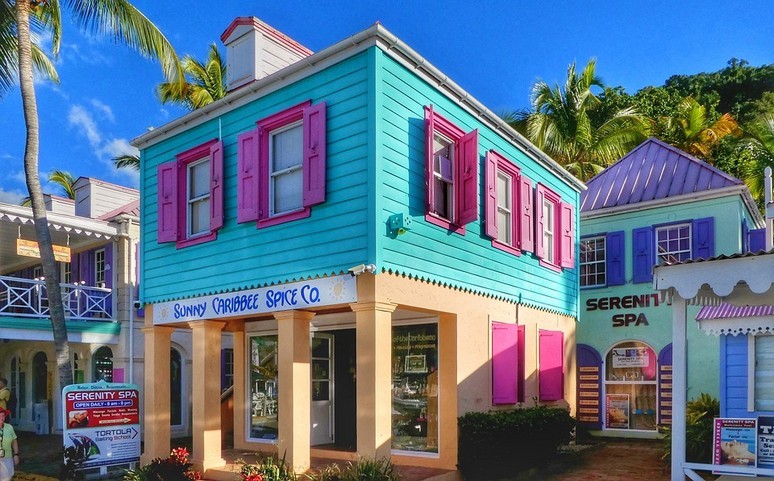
column 766, row 441
column 631, row 357
column 102, row 423
column 325, row 291
column 617, row 411
column 30, row 248
column 735, row 442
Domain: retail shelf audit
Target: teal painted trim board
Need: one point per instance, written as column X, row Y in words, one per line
column 92, row 327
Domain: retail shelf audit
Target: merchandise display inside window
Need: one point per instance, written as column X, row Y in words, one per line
column 415, row 388
column 631, row 387
column 263, row 388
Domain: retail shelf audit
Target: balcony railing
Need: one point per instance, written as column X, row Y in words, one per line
column 21, row 297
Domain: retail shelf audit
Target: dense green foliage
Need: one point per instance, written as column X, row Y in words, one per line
column 499, row 443
column 700, row 414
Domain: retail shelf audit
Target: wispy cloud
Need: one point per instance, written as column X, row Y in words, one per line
column 13, row 196
column 82, row 120
column 104, row 109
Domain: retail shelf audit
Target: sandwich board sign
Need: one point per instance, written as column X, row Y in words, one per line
column 101, row 424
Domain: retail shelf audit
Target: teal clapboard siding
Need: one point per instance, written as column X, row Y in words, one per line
column 334, row 238
column 430, row 252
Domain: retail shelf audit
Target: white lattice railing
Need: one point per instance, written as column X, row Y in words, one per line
column 21, row 297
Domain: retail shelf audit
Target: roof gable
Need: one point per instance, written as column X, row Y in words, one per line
column 652, row 171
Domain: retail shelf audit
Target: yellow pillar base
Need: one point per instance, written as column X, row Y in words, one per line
column 206, row 395
column 295, row 380
column 373, row 322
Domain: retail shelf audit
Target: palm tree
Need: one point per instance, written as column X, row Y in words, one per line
column 63, row 179
column 127, row 161
column 205, row 82
column 691, row 130
column 561, row 124
column 9, row 52
column 758, row 144
column 116, row 18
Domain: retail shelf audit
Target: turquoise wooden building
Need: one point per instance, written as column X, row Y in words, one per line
column 387, row 252
column 655, row 205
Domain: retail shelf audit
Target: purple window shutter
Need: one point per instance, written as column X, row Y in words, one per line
column 665, row 385
column 314, row 155
column 167, row 202
column 567, row 249
column 551, row 374
column 216, row 186
column 589, row 386
column 491, row 196
column 526, row 217
column 615, row 268
column 757, row 240
column 540, row 250
column 704, row 238
column 247, row 176
column 429, row 136
column 504, row 363
column 642, row 255
column 87, row 267
column 109, row 262
column 468, row 147
column 520, row 376
column 75, row 268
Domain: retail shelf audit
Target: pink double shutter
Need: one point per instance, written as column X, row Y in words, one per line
column 248, row 178
column 540, row 226
column 551, row 359
column 314, row 155
column 567, row 222
column 491, row 195
column 522, row 207
column 216, row 186
column 526, row 217
column 467, row 147
column 429, row 155
column 167, row 202
column 505, row 363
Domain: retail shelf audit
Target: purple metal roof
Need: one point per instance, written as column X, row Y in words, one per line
column 726, row 311
column 654, row 170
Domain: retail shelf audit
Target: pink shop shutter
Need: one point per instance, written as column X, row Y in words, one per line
column 540, row 194
column 567, row 248
column 527, row 215
column 216, row 186
column 491, row 195
column 247, row 176
column 551, row 358
column 505, row 358
column 429, row 137
column 468, row 147
column 314, row 155
column 167, row 202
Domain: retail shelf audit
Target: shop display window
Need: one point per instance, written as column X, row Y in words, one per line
column 631, row 387
column 415, row 388
column 263, row 388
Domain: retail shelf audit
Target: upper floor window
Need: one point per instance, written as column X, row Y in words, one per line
column 190, row 195
column 509, row 213
column 592, row 262
column 37, row 272
column 673, row 243
column 65, row 272
column 451, row 173
column 555, row 229
column 99, row 267
column 281, row 172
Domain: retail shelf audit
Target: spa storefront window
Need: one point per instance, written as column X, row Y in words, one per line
column 263, row 388
column 415, row 388
column 630, row 387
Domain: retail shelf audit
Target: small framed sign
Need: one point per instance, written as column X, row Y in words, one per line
column 415, row 363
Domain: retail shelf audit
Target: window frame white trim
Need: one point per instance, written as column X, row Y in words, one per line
column 289, row 170
column 189, row 201
column 668, row 227
column 603, row 262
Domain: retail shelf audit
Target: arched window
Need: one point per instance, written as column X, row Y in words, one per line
column 631, row 387
column 103, row 364
column 175, row 388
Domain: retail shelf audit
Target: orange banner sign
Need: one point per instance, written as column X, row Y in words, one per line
column 30, row 248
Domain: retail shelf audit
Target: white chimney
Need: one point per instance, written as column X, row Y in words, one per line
column 255, row 50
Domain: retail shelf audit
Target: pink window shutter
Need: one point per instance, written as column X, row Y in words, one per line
column 504, row 363
column 167, row 202
column 314, row 155
column 429, row 136
column 491, row 195
column 247, row 176
column 567, row 248
column 540, row 194
column 551, row 358
column 520, row 372
column 468, row 148
column 526, row 217
column 216, row 186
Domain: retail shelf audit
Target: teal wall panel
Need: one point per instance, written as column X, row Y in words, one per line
column 430, row 252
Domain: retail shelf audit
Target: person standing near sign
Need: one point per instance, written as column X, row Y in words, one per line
column 9, row 448
column 5, row 394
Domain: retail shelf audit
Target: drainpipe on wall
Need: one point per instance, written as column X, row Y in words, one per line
column 768, row 209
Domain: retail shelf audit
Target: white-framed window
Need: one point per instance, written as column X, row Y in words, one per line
column 631, row 387
column 228, row 369
column 761, row 373
column 549, row 230
column 673, row 243
column 443, row 177
column 198, row 197
column 505, row 208
column 37, row 272
column 99, row 267
column 65, row 272
column 592, row 262
column 286, row 168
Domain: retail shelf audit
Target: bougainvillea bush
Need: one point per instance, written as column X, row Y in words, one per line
column 174, row 468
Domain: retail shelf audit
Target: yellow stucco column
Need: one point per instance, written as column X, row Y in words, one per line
column 156, row 405
column 205, row 390
column 294, row 388
column 373, row 323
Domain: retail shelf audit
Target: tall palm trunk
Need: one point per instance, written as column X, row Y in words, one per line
column 30, row 106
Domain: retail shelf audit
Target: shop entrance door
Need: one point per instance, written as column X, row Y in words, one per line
column 322, row 389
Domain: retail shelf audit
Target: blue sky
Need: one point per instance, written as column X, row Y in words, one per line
column 495, row 50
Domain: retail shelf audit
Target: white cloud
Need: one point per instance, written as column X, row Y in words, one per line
column 12, row 196
column 81, row 119
column 104, row 109
column 18, row 176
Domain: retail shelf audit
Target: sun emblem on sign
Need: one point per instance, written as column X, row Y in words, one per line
column 337, row 289
column 164, row 313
